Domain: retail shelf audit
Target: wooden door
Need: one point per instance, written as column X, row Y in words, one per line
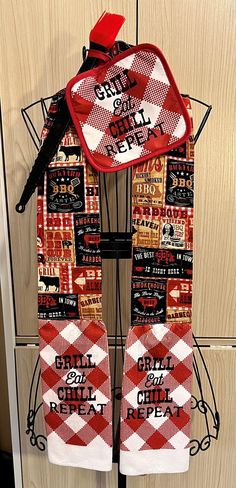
column 41, row 44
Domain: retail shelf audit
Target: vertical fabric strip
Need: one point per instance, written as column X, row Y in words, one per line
column 74, row 357
column 157, row 381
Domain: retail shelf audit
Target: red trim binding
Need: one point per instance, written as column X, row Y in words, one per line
column 95, row 72
column 94, row 53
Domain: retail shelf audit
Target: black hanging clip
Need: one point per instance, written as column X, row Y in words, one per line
column 116, row 245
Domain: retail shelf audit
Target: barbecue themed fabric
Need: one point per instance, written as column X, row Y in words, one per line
column 75, row 371
column 74, row 358
column 156, row 389
column 128, row 110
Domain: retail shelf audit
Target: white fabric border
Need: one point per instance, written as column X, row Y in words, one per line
column 98, row 458
column 154, row 461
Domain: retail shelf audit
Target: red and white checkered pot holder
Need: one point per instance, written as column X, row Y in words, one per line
column 128, row 110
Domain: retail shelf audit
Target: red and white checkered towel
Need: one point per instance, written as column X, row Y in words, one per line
column 156, row 394
column 76, row 388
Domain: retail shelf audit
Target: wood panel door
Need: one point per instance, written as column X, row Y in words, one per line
column 41, row 42
column 41, row 50
column 198, row 40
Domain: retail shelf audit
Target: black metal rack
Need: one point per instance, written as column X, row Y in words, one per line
column 116, row 243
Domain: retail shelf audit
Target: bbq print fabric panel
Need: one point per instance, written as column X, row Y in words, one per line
column 163, row 190
column 68, row 233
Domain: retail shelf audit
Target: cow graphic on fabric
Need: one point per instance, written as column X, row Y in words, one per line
column 50, row 281
column 69, row 153
column 148, row 302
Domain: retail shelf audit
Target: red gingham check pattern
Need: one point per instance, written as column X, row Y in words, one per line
column 60, row 338
column 161, row 432
column 153, row 93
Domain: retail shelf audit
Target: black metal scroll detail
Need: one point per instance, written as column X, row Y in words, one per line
column 36, row 440
column 204, row 408
column 202, row 445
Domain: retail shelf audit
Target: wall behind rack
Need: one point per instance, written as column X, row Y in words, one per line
column 41, row 50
